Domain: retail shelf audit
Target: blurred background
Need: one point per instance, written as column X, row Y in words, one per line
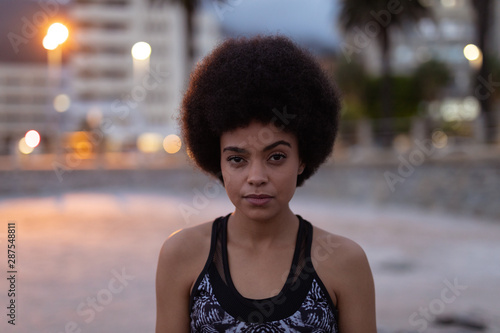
column 90, row 148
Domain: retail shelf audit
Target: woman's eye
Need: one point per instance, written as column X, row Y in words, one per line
column 235, row 159
column 277, row 157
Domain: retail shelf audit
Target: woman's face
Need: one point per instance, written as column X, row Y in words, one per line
column 260, row 165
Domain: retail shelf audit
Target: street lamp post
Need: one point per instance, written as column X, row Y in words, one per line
column 57, row 34
column 141, row 52
column 475, row 57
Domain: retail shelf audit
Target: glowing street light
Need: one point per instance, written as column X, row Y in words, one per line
column 32, row 138
column 474, row 55
column 56, row 35
column 58, row 32
column 24, row 148
column 141, row 51
column 49, row 43
column 472, row 52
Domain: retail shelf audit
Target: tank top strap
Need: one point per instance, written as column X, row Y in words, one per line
column 309, row 267
column 214, row 245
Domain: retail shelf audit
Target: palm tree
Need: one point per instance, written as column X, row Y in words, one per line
column 431, row 77
column 377, row 18
column 483, row 25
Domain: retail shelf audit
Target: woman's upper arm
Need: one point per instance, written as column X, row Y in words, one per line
column 172, row 288
column 356, row 293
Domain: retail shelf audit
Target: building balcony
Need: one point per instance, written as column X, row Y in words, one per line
column 101, row 61
column 98, row 13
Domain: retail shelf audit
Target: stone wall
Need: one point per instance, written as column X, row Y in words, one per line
column 457, row 187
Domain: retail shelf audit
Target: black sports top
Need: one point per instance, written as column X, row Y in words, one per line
column 303, row 305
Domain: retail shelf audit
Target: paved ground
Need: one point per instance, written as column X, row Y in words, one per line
column 87, row 260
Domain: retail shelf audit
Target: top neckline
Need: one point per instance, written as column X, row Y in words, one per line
column 291, row 271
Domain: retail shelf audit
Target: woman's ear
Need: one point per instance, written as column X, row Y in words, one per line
column 302, row 166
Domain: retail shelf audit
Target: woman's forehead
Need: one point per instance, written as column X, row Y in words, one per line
column 256, row 136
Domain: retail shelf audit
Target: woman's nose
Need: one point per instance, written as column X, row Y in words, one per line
column 257, row 174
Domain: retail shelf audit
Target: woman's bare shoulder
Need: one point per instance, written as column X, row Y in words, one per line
column 182, row 258
column 186, row 245
column 336, row 251
column 343, row 267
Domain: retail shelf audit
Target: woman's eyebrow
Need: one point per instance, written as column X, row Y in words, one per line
column 277, row 143
column 235, row 149
column 244, row 151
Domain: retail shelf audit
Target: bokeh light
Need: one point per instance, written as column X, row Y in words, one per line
column 172, row 144
column 472, row 52
column 58, row 32
column 62, row 103
column 32, row 138
column 471, row 108
column 83, row 149
column 453, row 109
column 49, row 43
column 141, row 51
column 94, row 117
column 149, row 142
column 449, row 3
column 439, row 138
column 79, row 142
column 402, row 143
column 24, row 148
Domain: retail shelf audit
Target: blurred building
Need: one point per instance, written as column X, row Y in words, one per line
column 25, row 103
column 106, row 90
column 26, row 88
column 442, row 37
column 122, row 95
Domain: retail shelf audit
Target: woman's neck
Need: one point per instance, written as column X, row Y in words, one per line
column 262, row 234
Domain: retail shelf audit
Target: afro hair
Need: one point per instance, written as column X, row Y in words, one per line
column 268, row 79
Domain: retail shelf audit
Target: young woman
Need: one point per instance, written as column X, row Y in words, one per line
column 260, row 115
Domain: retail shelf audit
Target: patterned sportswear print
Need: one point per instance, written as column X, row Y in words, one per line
column 314, row 315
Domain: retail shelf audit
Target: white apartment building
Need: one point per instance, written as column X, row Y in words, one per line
column 25, row 103
column 132, row 96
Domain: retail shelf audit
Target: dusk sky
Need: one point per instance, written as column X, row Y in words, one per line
column 309, row 22
column 312, row 20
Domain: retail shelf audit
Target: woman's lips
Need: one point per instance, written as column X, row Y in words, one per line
column 258, row 199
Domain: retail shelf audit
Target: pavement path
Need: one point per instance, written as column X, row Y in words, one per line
column 86, row 261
